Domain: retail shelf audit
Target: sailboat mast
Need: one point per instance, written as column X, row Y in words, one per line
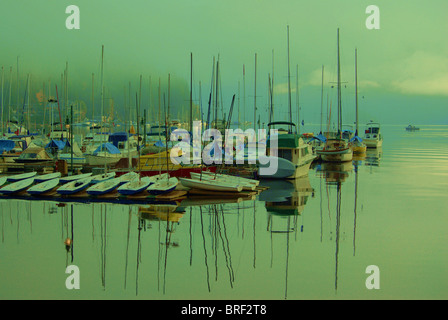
column 191, row 92
column 3, row 78
column 339, row 92
column 102, row 87
column 289, row 83
column 322, row 100
column 255, row 96
column 356, row 89
column 297, row 99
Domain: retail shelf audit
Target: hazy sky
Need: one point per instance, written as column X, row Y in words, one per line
column 402, row 67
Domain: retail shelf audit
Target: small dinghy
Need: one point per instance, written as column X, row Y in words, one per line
column 211, row 185
column 47, row 177
column 245, row 183
column 22, row 176
column 68, row 179
column 17, row 187
column 44, row 187
column 128, row 177
column 103, row 177
column 104, row 187
column 74, row 186
column 162, row 186
column 3, row 180
column 135, row 187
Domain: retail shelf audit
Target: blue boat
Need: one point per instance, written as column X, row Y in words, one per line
column 104, row 187
column 22, row 176
column 43, row 187
column 163, row 186
column 135, row 187
column 17, row 187
column 74, row 186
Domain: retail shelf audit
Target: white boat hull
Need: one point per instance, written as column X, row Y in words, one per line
column 17, row 187
column 163, row 186
column 22, row 176
column 210, row 185
column 336, row 156
column 101, row 161
column 75, row 177
column 47, row 177
column 74, row 186
column 104, row 187
column 135, row 187
column 44, row 187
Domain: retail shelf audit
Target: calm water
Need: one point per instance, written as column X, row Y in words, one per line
column 309, row 240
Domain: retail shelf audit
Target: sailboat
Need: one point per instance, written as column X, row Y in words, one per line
column 44, row 187
column 211, row 185
column 104, row 187
column 74, row 178
column 46, row 177
column 128, row 177
column 162, row 186
column 248, row 184
column 74, row 186
column 22, row 176
column 135, row 186
column 337, row 149
column 103, row 177
column 3, row 180
column 17, row 187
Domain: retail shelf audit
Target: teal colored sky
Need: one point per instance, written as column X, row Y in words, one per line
column 402, row 67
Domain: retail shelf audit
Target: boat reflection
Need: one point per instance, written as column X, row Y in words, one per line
column 373, row 156
column 334, row 173
column 284, row 202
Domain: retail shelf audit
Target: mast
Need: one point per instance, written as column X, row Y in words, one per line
column 244, row 96
column 339, row 92
column 322, row 99
column 93, row 101
column 297, row 98
column 3, row 78
column 102, row 89
column 356, row 89
column 255, row 96
column 191, row 92
column 289, row 84
column 9, row 99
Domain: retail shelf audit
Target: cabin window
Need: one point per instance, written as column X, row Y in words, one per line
column 285, row 154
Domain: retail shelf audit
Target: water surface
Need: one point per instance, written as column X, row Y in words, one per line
column 311, row 239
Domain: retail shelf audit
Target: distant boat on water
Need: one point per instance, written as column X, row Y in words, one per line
column 412, row 128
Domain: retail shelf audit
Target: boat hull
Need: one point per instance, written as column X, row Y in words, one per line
column 22, row 176
column 209, row 185
column 17, row 187
column 43, row 187
column 373, row 143
column 103, row 188
column 134, row 187
column 337, row 156
column 74, row 187
column 287, row 169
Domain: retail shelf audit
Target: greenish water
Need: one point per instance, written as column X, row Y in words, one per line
column 312, row 239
